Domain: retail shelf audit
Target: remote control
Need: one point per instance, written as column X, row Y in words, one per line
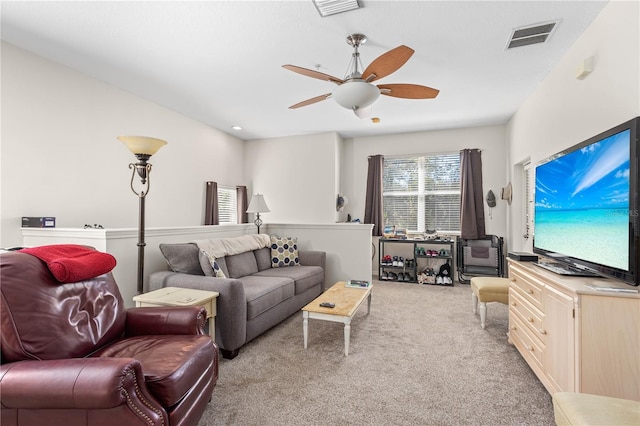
column 328, row 305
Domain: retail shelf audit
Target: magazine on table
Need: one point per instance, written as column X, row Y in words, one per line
column 357, row 284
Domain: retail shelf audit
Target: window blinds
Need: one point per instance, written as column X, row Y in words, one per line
column 422, row 192
column 227, row 205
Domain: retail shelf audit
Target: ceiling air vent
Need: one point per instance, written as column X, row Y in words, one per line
column 331, row 7
column 534, row 34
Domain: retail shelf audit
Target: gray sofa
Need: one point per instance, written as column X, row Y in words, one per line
column 254, row 296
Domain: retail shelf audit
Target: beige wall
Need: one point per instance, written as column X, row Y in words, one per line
column 298, row 175
column 60, row 156
column 490, row 139
column 565, row 111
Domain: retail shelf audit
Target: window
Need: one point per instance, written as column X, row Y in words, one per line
column 422, row 192
column 227, row 205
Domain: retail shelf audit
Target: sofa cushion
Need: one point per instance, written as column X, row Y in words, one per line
column 263, row 258
column 171, row 364
column 284, row 252
column 263, row 293
column 210, row 266
column 183, row 258
column 240, row 265
column 305, row 277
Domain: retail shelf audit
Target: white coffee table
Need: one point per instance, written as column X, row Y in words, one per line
column 175, row 296
column 347, row 300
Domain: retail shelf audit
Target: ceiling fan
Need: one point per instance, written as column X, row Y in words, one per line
column 355, row 91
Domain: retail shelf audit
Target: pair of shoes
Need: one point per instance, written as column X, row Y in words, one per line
column 404, row 276
column 386, row 261
column 409, row 263
column 384, row 276
column 420, row 251
column 392, row 276
column 443, row 253
column 398, row 261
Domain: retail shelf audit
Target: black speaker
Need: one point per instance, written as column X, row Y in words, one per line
column 523, row 257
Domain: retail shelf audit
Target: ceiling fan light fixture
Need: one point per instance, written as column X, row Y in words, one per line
column 363, row 112
column 355, row 94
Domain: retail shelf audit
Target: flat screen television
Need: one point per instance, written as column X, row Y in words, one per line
column 586, row 216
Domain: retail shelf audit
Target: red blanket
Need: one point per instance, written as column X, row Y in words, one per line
column 70, row 263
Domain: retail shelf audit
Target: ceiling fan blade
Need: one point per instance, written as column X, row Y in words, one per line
column 408, row 91
column 311, row 101
column 313, row 74
column 387, row 63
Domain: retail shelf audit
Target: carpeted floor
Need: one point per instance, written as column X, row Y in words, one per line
column 419, row 358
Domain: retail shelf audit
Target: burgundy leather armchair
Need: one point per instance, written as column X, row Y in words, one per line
column 73, row 355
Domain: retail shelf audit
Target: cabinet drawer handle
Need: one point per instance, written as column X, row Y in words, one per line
column 530, row 348
column 529, row 291
column 513, row 327
column 531, row 320
column 514, row 303
column 513, row 280
column 542, row 331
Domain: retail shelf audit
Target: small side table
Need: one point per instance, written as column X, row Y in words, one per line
column 175, row 296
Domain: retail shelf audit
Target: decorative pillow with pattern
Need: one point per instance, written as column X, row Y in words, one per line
column 284, row 252
column 217, row 272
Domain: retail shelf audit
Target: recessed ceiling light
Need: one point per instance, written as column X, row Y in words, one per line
column 375, row 120
column 236, row 127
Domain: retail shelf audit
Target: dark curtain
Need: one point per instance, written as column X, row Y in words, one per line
column 211, row 216
column 471, row 195
column 242, row 205
column 373, row 211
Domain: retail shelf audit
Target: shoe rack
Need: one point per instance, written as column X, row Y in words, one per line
column 396, row 265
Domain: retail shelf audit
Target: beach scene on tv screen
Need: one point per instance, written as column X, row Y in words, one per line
column 582, row 203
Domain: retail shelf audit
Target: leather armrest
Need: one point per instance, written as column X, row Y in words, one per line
column 165, row 320
column 76, row 383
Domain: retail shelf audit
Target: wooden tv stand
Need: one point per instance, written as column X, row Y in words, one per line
column 574, row 338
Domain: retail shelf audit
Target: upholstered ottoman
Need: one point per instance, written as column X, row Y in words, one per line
column 570, row 408
column 488, row 289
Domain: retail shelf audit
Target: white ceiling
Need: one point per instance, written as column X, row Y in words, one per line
column 220, row 62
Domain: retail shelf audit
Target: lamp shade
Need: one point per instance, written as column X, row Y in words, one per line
column 142, row 144
column 355, row 94
column 257, row 205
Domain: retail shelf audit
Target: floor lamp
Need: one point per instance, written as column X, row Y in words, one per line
column 143, row 148
column 257, row 206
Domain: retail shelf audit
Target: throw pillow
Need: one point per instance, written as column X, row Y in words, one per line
column 284, row 252
column 216, row 271
column 182, row 258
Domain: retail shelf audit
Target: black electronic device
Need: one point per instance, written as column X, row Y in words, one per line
column 38, row 222
column 587, row 206
column 328, row 305
column 523, row 257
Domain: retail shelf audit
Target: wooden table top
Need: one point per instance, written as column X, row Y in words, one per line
column 346, row 299
column 176, row 296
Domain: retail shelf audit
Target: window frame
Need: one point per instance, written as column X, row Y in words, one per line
column 227, row 205
column 422, row 187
